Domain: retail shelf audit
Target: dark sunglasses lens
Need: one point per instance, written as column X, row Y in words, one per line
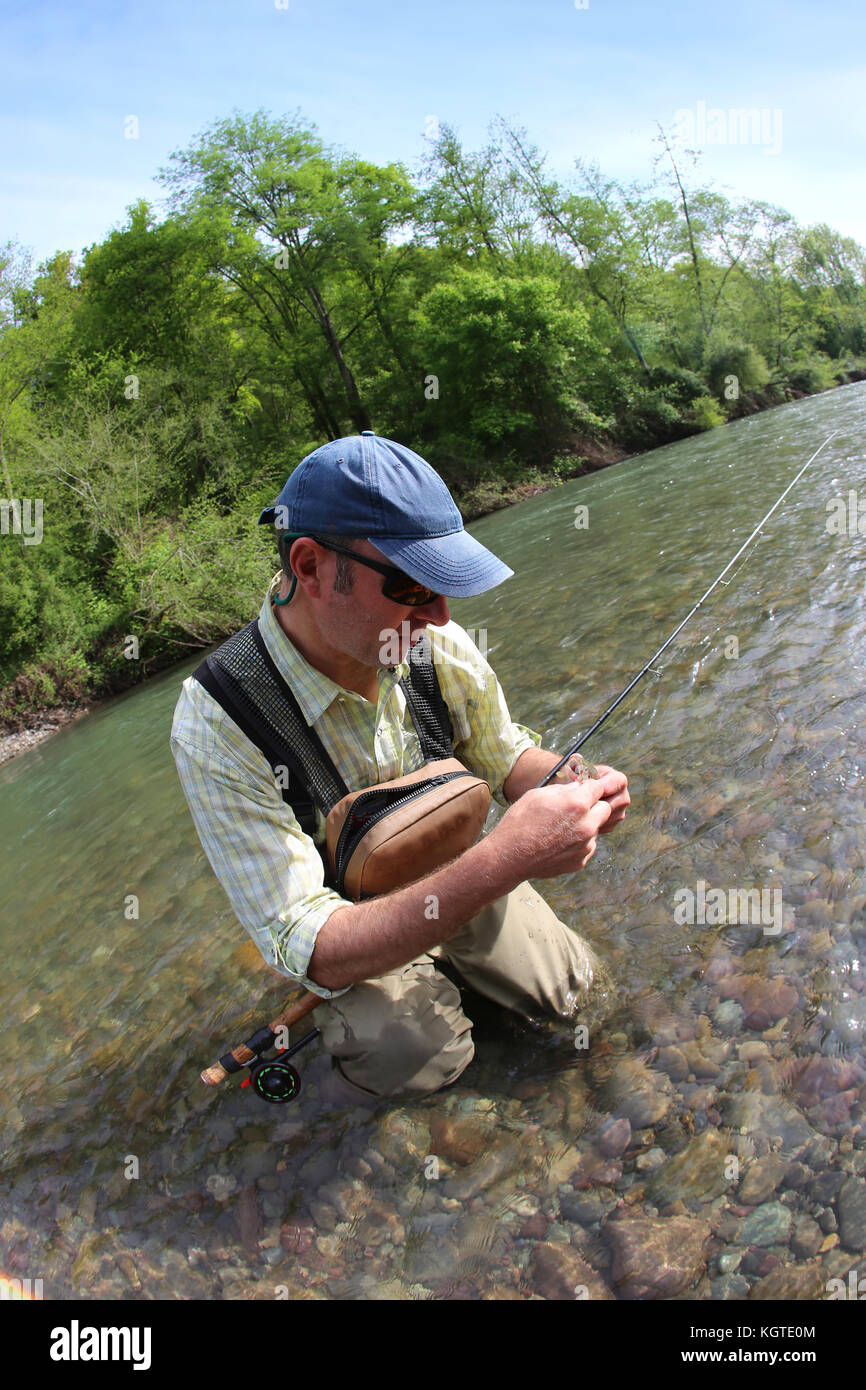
column 406, row 590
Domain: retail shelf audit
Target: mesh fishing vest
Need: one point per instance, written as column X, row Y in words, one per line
column 242, row 677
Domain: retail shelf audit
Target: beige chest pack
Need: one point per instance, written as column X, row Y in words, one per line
column 398, row 831
column 378, row 838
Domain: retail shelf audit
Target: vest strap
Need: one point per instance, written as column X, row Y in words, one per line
column 242, row 677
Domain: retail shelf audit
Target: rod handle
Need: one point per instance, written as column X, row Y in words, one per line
column 216, row 1074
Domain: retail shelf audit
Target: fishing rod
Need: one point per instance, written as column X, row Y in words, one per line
column 619, row 699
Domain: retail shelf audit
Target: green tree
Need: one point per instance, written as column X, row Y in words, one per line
column 295, row 218
column 474, row 205
column 589, row 225
column 35, row 328
column 779, row 321
column 511, row 363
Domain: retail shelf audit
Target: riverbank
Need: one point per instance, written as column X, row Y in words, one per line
column 46, row 723
column 589, row 456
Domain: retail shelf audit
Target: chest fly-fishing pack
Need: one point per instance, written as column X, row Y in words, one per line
column 376, row 838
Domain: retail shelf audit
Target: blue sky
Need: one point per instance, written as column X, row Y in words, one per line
column 371, row 74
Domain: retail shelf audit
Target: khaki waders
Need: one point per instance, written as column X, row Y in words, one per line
column 405, row 1033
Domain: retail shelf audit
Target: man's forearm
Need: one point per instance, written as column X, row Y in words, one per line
column 528, row 771
column 371, row 938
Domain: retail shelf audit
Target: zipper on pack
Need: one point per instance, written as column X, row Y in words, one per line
column 350, row 839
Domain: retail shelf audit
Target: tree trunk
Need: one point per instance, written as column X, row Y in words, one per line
column 357, row 410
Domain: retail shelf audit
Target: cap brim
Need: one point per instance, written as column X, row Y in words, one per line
column 457, row 565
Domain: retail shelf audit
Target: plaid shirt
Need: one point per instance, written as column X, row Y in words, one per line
column 270, row 869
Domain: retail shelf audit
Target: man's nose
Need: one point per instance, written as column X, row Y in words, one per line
column 435, row 612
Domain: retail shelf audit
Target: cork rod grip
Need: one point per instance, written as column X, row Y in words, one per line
column 242, row 1054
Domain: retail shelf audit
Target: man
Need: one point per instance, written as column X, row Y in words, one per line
column 392, row 1022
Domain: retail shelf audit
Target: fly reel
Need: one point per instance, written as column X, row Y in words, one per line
column 271, row 1078
column 275, row 1081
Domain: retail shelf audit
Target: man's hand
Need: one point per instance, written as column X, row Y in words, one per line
column 615, row 788
column 552, row 830
column 615, row 794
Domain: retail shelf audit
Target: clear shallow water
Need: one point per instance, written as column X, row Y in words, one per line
column 608, row 1168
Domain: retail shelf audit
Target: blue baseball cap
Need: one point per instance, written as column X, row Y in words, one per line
column 374, row 488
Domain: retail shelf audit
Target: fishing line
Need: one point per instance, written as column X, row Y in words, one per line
column 610, row 709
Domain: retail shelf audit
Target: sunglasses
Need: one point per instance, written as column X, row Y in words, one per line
column 400, row 587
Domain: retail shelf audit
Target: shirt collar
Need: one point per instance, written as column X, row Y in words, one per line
column 313, row 690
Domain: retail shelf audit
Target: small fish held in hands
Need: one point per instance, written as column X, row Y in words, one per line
column 577, row 769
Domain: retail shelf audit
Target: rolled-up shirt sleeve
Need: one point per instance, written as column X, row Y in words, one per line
column 269, row 868
column 486, row 738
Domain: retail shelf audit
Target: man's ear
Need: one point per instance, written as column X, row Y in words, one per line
column 308, row 562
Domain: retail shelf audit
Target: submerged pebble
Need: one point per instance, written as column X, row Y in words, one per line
column 852, row 1213
column 768, row 1224
column 656, row 1259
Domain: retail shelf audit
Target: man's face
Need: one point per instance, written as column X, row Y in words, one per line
column 361, row 623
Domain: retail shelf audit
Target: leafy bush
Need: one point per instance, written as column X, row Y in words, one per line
column 566, row 466
column 510, row 361
column 650, row 419
column 199, row 578
column 482, row 497
column 706, row 413
column 739, row 360
column 840, row 328
column 677, row 384
column 811, row 374
column 63, row 680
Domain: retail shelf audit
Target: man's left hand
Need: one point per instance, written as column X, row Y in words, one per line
column 616, row 788
column 615, row 794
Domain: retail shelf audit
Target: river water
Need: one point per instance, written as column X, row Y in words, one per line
column 706, row 1138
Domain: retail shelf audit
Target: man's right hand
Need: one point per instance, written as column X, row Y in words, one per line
column 553, row 830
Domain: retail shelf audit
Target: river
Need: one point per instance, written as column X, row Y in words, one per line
column 709, row 1139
